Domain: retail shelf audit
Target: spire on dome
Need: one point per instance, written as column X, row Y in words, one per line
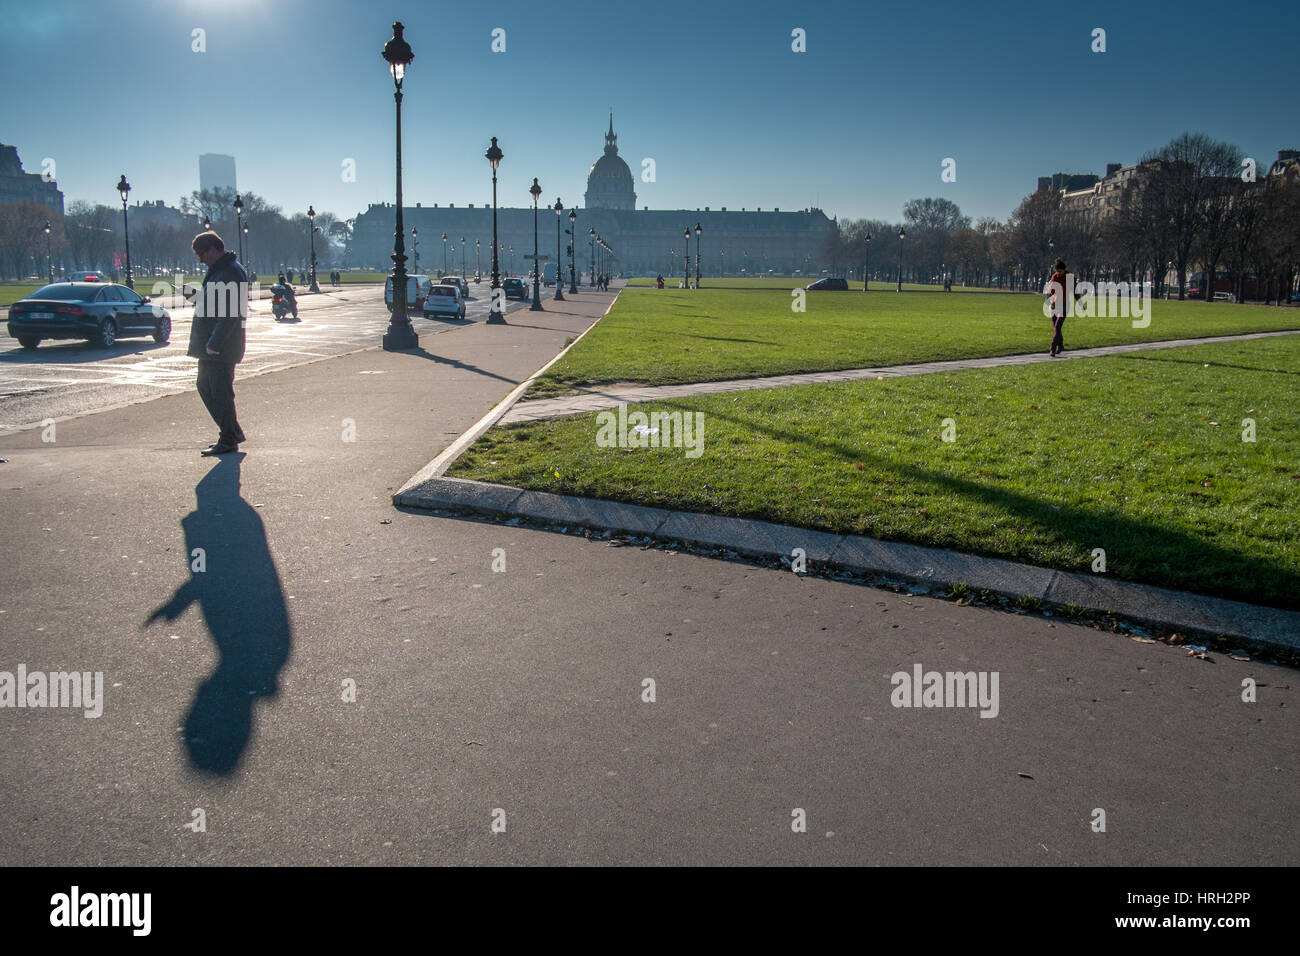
column 611, row 139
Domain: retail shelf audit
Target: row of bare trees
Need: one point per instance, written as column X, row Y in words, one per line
column 91, row 237
column 1191, row 207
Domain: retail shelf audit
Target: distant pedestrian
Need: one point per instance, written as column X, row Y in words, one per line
column 217, row 337
column 1057, row 305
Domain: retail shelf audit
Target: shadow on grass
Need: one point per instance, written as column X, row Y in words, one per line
column 1198, row 362
column 1136, row 550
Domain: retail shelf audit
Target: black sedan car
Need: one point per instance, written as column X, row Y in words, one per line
column 830, row 284
column 98, row 312
column 514, row 288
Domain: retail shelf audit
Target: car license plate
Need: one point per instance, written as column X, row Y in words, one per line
column 41, row 315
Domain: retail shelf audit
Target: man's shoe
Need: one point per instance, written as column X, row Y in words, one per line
column 219, row 449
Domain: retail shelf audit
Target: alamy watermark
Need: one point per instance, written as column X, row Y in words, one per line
column 639, row 429
column 37, row 689
column 1103, row 300
column 923, row 688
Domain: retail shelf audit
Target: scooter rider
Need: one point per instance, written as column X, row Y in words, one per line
column 286, row 290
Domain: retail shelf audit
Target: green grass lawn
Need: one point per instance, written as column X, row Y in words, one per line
column 1141, row 455
column 662, row 337
column 789, row 282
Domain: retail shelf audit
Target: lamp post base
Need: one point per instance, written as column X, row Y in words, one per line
column 400, row 337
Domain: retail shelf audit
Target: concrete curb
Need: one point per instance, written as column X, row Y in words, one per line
column 453, row 451
column 1262, row 628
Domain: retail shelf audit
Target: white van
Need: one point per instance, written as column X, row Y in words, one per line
column 417, row 290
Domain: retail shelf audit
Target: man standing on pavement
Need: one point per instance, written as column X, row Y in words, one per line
column 217, row 337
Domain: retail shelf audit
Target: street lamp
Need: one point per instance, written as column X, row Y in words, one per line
column 49, row 256
column 591, row 244
column 495, row 315
column 239, row 224
column 123, row 188
column 559, row 280
column 247, row 247
column 900, row 259
column 415, row 245
column 207, row 223
column 686, row 261
column 535, row 190
column 311, row 231
column 400, row 335
column 444, row 256
column 478, row 262
column 697, row 255
column 722, row 254
column 866, row 265
column 573, row 241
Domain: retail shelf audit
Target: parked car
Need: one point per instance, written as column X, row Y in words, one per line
column 444, row 299
column 830, row 284
column 514, row 287
column 1225, row 297
column 98, row 312
column 417, row 290
column 459, row 283
column 84, row 275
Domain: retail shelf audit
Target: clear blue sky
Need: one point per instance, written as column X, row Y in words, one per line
column 711, row 91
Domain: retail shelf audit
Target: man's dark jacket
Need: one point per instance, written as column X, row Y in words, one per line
column 218, row 322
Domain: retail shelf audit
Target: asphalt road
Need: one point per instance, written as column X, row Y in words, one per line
column 522, row 690
column 66, row 378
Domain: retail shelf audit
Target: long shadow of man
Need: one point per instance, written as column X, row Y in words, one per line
column 234, row 580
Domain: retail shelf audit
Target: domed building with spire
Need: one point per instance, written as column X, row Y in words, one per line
column 645, row 241
column 609, row 182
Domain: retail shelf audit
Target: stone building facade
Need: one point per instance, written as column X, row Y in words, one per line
column 19, row 186
column 643, row 240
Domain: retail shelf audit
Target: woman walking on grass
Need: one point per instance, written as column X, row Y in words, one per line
column 1056, row 293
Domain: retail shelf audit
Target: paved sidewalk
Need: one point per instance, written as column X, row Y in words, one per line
column 592, row 400
column 523, row 689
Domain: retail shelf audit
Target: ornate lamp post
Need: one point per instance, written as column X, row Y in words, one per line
column 311, row 231
column 559, row 279
column 512, row 260
column 591, row 246
column 207, row 223
column 444, row 256
column 686, row 261
column 697, row 255
column 536, row 191
column 123, row 189
column 478, row 261
column 722, row 254
column 247, row 247
column 573, row 246
column 494, row 156
column 462, row 257
column 400, row 335
column 901, row 234
column 239, row 224
column 866, row 259
column 49, row 256
column 415, row 247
